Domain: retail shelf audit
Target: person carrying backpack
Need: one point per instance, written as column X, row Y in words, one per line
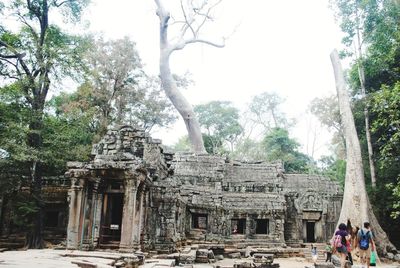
column 365, row 243
column 339, row 242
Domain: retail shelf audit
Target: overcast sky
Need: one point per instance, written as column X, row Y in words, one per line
column 278, row 46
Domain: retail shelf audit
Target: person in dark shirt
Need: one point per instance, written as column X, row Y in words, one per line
column 342, row 250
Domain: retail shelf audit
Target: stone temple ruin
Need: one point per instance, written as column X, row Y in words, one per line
column 134, row 195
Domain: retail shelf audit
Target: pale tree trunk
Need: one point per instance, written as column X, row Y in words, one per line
column 181, row 104
column 192, row 28
column 361, row 76
column 356, row 206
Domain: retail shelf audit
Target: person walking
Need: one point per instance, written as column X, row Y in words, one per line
column 365, row 243
column 339, row 242
column 328, row 252
column 349, row 242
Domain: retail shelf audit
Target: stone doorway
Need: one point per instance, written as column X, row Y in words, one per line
column 310, row 231
column 111, row 219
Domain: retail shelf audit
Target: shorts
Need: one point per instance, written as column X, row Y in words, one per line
column 365, row 253
column 342, row 249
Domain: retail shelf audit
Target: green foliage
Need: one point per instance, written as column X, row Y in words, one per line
column 279, row 146
column 335, row 169
column 395, row 188
column 249, row 150
column 378, row 24
column 386, row 105
column 220, row 121
column 120, row 91
column 265, row 111
column 182, row 145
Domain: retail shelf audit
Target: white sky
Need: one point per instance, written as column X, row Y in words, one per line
column 279, row 46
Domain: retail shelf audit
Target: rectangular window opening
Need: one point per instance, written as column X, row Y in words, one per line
column 199, row 221
column 51, row 219
column 262, row 226
column 238, row 226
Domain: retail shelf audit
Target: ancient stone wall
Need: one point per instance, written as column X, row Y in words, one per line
column 135, row 194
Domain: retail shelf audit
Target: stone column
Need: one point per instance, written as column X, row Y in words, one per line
column 141, row 217
column 247, row 232
column 97, row 216
column 75, row 196
column 89, row 215
column 128, row 214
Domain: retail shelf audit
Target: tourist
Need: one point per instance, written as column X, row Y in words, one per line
column 328, row 251
column 314, row 254
column 348, row 242
column 365, row 244
column 340, row 241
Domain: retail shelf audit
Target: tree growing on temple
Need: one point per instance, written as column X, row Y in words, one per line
column 355, row 205
column 32, row 58
column 195, row 16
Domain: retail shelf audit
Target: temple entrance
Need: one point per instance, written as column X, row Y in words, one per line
column 111, row 221
column 310, row 232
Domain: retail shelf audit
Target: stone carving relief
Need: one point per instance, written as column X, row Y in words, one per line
column 309, row 201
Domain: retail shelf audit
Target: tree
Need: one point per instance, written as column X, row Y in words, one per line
column 195, row 16
column 355, row 205
column 265, row 110
column 120, row 89
column 385, row 103
column 327, row 111
column 220, row 120
column 279, row 146
column 354, row 15
column 66, row 137
column 32, row 58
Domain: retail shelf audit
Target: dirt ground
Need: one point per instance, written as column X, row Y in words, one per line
column 49, row 258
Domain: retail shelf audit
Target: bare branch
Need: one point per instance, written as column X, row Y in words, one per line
column 13, row 56
column 191, row 41
column 188, row 23
column 23, row 20
column 60, row 4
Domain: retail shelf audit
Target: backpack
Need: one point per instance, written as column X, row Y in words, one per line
column 364, row 240
column 337, row 241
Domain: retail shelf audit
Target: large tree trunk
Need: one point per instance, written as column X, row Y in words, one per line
column 167, row 80
column 181, row 104
column 34, row 237
column 356, row 205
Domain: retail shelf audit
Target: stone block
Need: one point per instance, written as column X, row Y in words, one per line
column 243, row 264
column 390, row 256
column 234, row 255
column 397, row 257
column 219, row 257
column 324, row 265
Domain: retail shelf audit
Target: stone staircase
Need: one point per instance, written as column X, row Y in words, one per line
column 13, row 241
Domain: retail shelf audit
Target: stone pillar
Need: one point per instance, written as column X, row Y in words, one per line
column 141, row 217
column 128, row 214
column 247, row 231
column 89, row 216
column 98, row 199
column 75, row 196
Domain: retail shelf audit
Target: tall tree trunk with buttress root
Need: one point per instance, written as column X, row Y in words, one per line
column 356, row 205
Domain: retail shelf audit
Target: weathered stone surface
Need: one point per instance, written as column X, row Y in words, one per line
column 324, row 265
column 170, row 200
column 235, row 255
column 336, row 260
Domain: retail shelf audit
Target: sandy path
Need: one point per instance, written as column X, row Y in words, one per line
column 48, row 258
